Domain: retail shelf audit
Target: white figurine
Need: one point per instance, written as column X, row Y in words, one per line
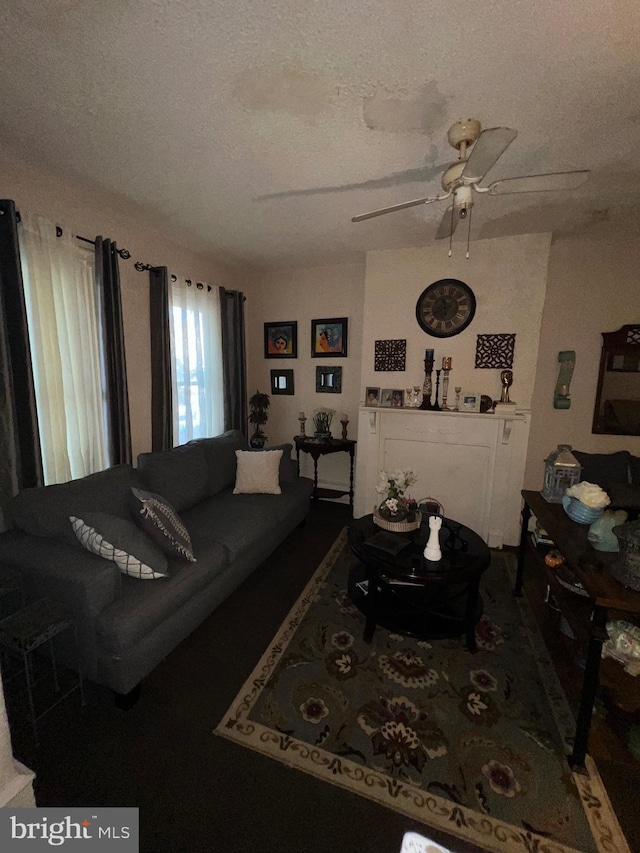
column 432, row 550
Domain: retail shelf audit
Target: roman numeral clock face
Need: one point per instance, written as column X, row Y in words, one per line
column 445, row 308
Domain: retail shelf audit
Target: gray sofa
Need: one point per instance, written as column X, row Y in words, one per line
column 126, row 625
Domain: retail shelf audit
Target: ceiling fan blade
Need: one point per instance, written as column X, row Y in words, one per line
column 401, row 206
column 447, row 224
column 490, row 145
column 540, row 183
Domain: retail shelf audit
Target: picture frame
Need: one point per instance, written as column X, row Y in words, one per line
column 281, row 339
column 470, row 401
column 329, row 337
column 328, row 380
column 372, row 396
column 282, row 382
column 392, row 398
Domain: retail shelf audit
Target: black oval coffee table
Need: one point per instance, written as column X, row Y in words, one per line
column 403, row 592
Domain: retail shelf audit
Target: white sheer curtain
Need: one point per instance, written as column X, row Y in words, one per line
column 196, row 360
column 64, row 332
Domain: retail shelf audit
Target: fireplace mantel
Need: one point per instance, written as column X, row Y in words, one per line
column 472, row 463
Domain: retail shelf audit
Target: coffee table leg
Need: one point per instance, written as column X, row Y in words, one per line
column 522, row 550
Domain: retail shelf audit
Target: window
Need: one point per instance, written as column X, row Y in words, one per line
column 63, row 315
column 196, row 360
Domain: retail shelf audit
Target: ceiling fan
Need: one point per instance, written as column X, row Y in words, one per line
column 478, row 152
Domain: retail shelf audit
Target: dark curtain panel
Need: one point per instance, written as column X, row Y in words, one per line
column 234, row 360
column 161, row 396
column 108, row 280
column 20, row 459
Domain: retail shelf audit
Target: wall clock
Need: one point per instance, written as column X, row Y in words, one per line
column 445, row 308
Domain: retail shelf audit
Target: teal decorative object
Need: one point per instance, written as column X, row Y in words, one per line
column 567, row 359
column 577, row 511
column 601, row 533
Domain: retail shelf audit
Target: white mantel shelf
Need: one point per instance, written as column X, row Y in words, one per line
column 472, row 462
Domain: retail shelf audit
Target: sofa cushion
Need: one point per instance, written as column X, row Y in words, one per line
column 119, row 540
column 288, row 468
column 258, row 473
column 220, row 458
column 155, row 515
column 141, row 608
column 45, row 510
column 239, row 521
column 179, row 475
column 604, row 468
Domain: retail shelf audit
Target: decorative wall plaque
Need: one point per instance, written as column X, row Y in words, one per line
column 390, row 355
column 495, row 351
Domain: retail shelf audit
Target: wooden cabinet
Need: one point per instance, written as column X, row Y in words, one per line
column 605, row 599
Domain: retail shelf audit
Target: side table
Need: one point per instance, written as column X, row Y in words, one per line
column 319, row 447
column 29, row 629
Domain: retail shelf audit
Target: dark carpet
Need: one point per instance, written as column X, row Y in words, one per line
column 197, row 792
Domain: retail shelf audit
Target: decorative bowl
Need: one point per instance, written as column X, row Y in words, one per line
column 577, row 511
column 396, row 526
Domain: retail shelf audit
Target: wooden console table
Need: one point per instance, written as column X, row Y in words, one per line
column 317, row 448
column 591, row 569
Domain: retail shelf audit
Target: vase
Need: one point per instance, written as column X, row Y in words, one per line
column 322, row 436
column 400, row 515
column 257, row 441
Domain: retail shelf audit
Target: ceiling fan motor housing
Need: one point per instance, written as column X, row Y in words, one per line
column 465, row 130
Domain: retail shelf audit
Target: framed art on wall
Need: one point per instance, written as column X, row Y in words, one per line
column 282, row 382
column 329, row 380
column 329, row 338
column 281, row 340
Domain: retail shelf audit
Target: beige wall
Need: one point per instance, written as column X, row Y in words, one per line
column 304, row 295
column 92, row 212
column 508, row 278
column 593, row 286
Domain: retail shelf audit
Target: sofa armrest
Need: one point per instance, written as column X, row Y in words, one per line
column 82, row 581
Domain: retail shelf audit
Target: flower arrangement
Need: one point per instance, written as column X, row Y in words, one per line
column 322, row 420
column 589, row 494
column 397, row 506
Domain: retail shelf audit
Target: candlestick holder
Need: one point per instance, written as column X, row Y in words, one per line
column 458, row 390
column 436, row 404
column 302, row 433
column 445, row 389
column 427, row 385
column 344, row 428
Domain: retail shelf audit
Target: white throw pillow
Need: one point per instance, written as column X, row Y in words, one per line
column 258, row 473
column 119, row 540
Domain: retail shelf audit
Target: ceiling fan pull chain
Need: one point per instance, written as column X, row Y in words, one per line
column 451, row 229
column 469, row 231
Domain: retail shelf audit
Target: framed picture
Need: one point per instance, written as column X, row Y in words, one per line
column 329, row 380
column 386, row 397
column 329, row 338
column 281, row 340
column 470, row 401
column 282, row 382
column 372, row 397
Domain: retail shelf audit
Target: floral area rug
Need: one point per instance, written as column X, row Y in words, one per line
column 471, row 744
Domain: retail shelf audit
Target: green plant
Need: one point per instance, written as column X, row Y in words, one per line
column 258, row 407
column 322, row 419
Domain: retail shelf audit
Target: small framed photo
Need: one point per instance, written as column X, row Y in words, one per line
column 386, row 398
column 372, row 397
column 281, row 340
column 470, row 401
column 282, row 382
column 329, row 338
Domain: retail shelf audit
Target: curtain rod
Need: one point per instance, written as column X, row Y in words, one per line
column 125, row 254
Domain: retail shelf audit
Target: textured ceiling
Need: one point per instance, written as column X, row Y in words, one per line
column 260, row 127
